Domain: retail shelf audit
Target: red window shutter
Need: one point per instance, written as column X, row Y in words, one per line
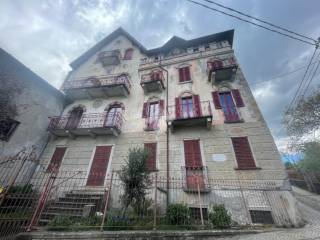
column 197, row 106
column 237, row 97
column 145, row 110
column 192, row 154
column 216, row 100
column 178, row 108
column 56, row 159
column 187, row 74
column 128, row 54
column 181, row 75
column 161, row 107
column 99, row 166
column 243, row 153
column 151, row 161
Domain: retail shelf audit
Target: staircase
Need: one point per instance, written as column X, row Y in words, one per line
column 75, row 204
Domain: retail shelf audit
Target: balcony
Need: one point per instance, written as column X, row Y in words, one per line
column 151, row 124
column 88, row 125
column 96, row 87
column 152, row 82
column 195, row 179
column 182, row 116
column 110, row 58
column 219, row 70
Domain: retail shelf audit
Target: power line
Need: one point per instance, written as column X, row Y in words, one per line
column 313, row 75
column 260, row 20
column 283, row 74
column 303, row 78
column 247, row 21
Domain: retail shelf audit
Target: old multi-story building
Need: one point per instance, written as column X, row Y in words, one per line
column 188, row 103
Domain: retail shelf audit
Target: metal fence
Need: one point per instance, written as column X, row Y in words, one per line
column 63, row 201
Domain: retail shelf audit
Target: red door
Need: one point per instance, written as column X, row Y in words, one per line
column 99, row 166
column 56, row 159
column 193, row 163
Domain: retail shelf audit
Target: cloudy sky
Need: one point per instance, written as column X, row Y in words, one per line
column 47, row 35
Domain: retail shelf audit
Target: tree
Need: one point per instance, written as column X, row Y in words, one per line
column 311, row 157
column 303, row 119
column 135, row 180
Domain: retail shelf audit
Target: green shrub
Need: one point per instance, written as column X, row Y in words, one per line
column 60, row 223
column 178, row 214
column 117, row 223
column 23, row 189
column 219, row 217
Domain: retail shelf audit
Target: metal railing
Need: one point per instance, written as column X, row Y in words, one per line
column 64, row 200
column 181, row 112
column 151, row 124
column 98, row 81
column 87, row 121
column 112, row 53
column 153, row 76
column 214, row 65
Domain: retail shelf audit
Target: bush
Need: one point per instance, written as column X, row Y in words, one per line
column 23, row 189
column 219, row 217
column 60, row 223
column 117, row 223
column 178, row 214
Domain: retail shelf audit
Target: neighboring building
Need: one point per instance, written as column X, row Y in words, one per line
column 26, row 102
column 124, row 95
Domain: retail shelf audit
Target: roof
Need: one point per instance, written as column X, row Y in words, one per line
column 174, row 42
column 5, row 57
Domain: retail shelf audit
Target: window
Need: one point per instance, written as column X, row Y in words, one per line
column 128, row 54
column 74, row 118
column 187, row 107
column 151, row 161
column 7, row 128
column 228, row 107
column 56, row 159
column 196, row 49
column 263, row 217
column 206, row 47
column 184, row 74
column 113, row 115
column 196, row 215
column 243, row 153
column 152, row 112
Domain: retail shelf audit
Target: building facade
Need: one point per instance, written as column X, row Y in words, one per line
column 26, row 102
column 187, row 102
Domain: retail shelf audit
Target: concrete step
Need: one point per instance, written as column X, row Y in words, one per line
column 50, row 215
column 71, row 204
column 80, row 199
column 63, row 209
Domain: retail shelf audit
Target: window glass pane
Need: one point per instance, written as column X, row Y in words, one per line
column 187, row 107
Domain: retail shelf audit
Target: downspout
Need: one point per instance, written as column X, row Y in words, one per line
column 167, row 112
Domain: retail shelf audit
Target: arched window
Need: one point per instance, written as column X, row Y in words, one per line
column 114, row 113
column 74, row 118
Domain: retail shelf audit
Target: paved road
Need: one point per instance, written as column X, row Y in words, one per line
column 310, row 232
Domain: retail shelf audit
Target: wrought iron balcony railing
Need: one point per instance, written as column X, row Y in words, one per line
column 88, row 124
column 110, row 57
column 195, row 178
column 99, row 81
column 153, row 81
column 151, row 124
column 221, row 70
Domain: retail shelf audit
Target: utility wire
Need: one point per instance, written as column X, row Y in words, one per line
column 313, row 75
column 284, row 74
column 303, row 78
column 247, row 21
column 261, row 20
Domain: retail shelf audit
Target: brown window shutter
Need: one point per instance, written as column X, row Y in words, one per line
column 56, row 159
column 216, row 100
column 161, row 107
column 187, row 74
column 178, row 107
column 145, row 110
column 128, row 54
column 197, row 106
column 243, row 153
column 181, row 75
column 237, row 97
column 151, row 161
column 192, row 154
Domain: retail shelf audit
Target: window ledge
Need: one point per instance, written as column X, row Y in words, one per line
column 237, row 121
column 190, row 81
column 248, row 168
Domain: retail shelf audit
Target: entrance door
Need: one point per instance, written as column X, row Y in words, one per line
column 228, row 107
column 99, row 166
column 74, row 119
column 112, row 116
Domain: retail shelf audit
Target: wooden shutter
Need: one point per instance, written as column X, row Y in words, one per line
column 128, row 54
column 197, row 106
column 56, row 159
column 192, row 154
column 216, row 100
column 178, row 108
column 151, row 161
column 181, row 75
column 161, row 107
column 237, row 97
column 99, row 166
column 187, row 74
column 243, row 153
column 145, row 110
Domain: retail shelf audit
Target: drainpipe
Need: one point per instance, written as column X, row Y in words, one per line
column 167, row 112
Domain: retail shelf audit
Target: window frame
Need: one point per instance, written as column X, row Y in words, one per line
column 128, row 54
column 13, row 127
column 184, row 74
